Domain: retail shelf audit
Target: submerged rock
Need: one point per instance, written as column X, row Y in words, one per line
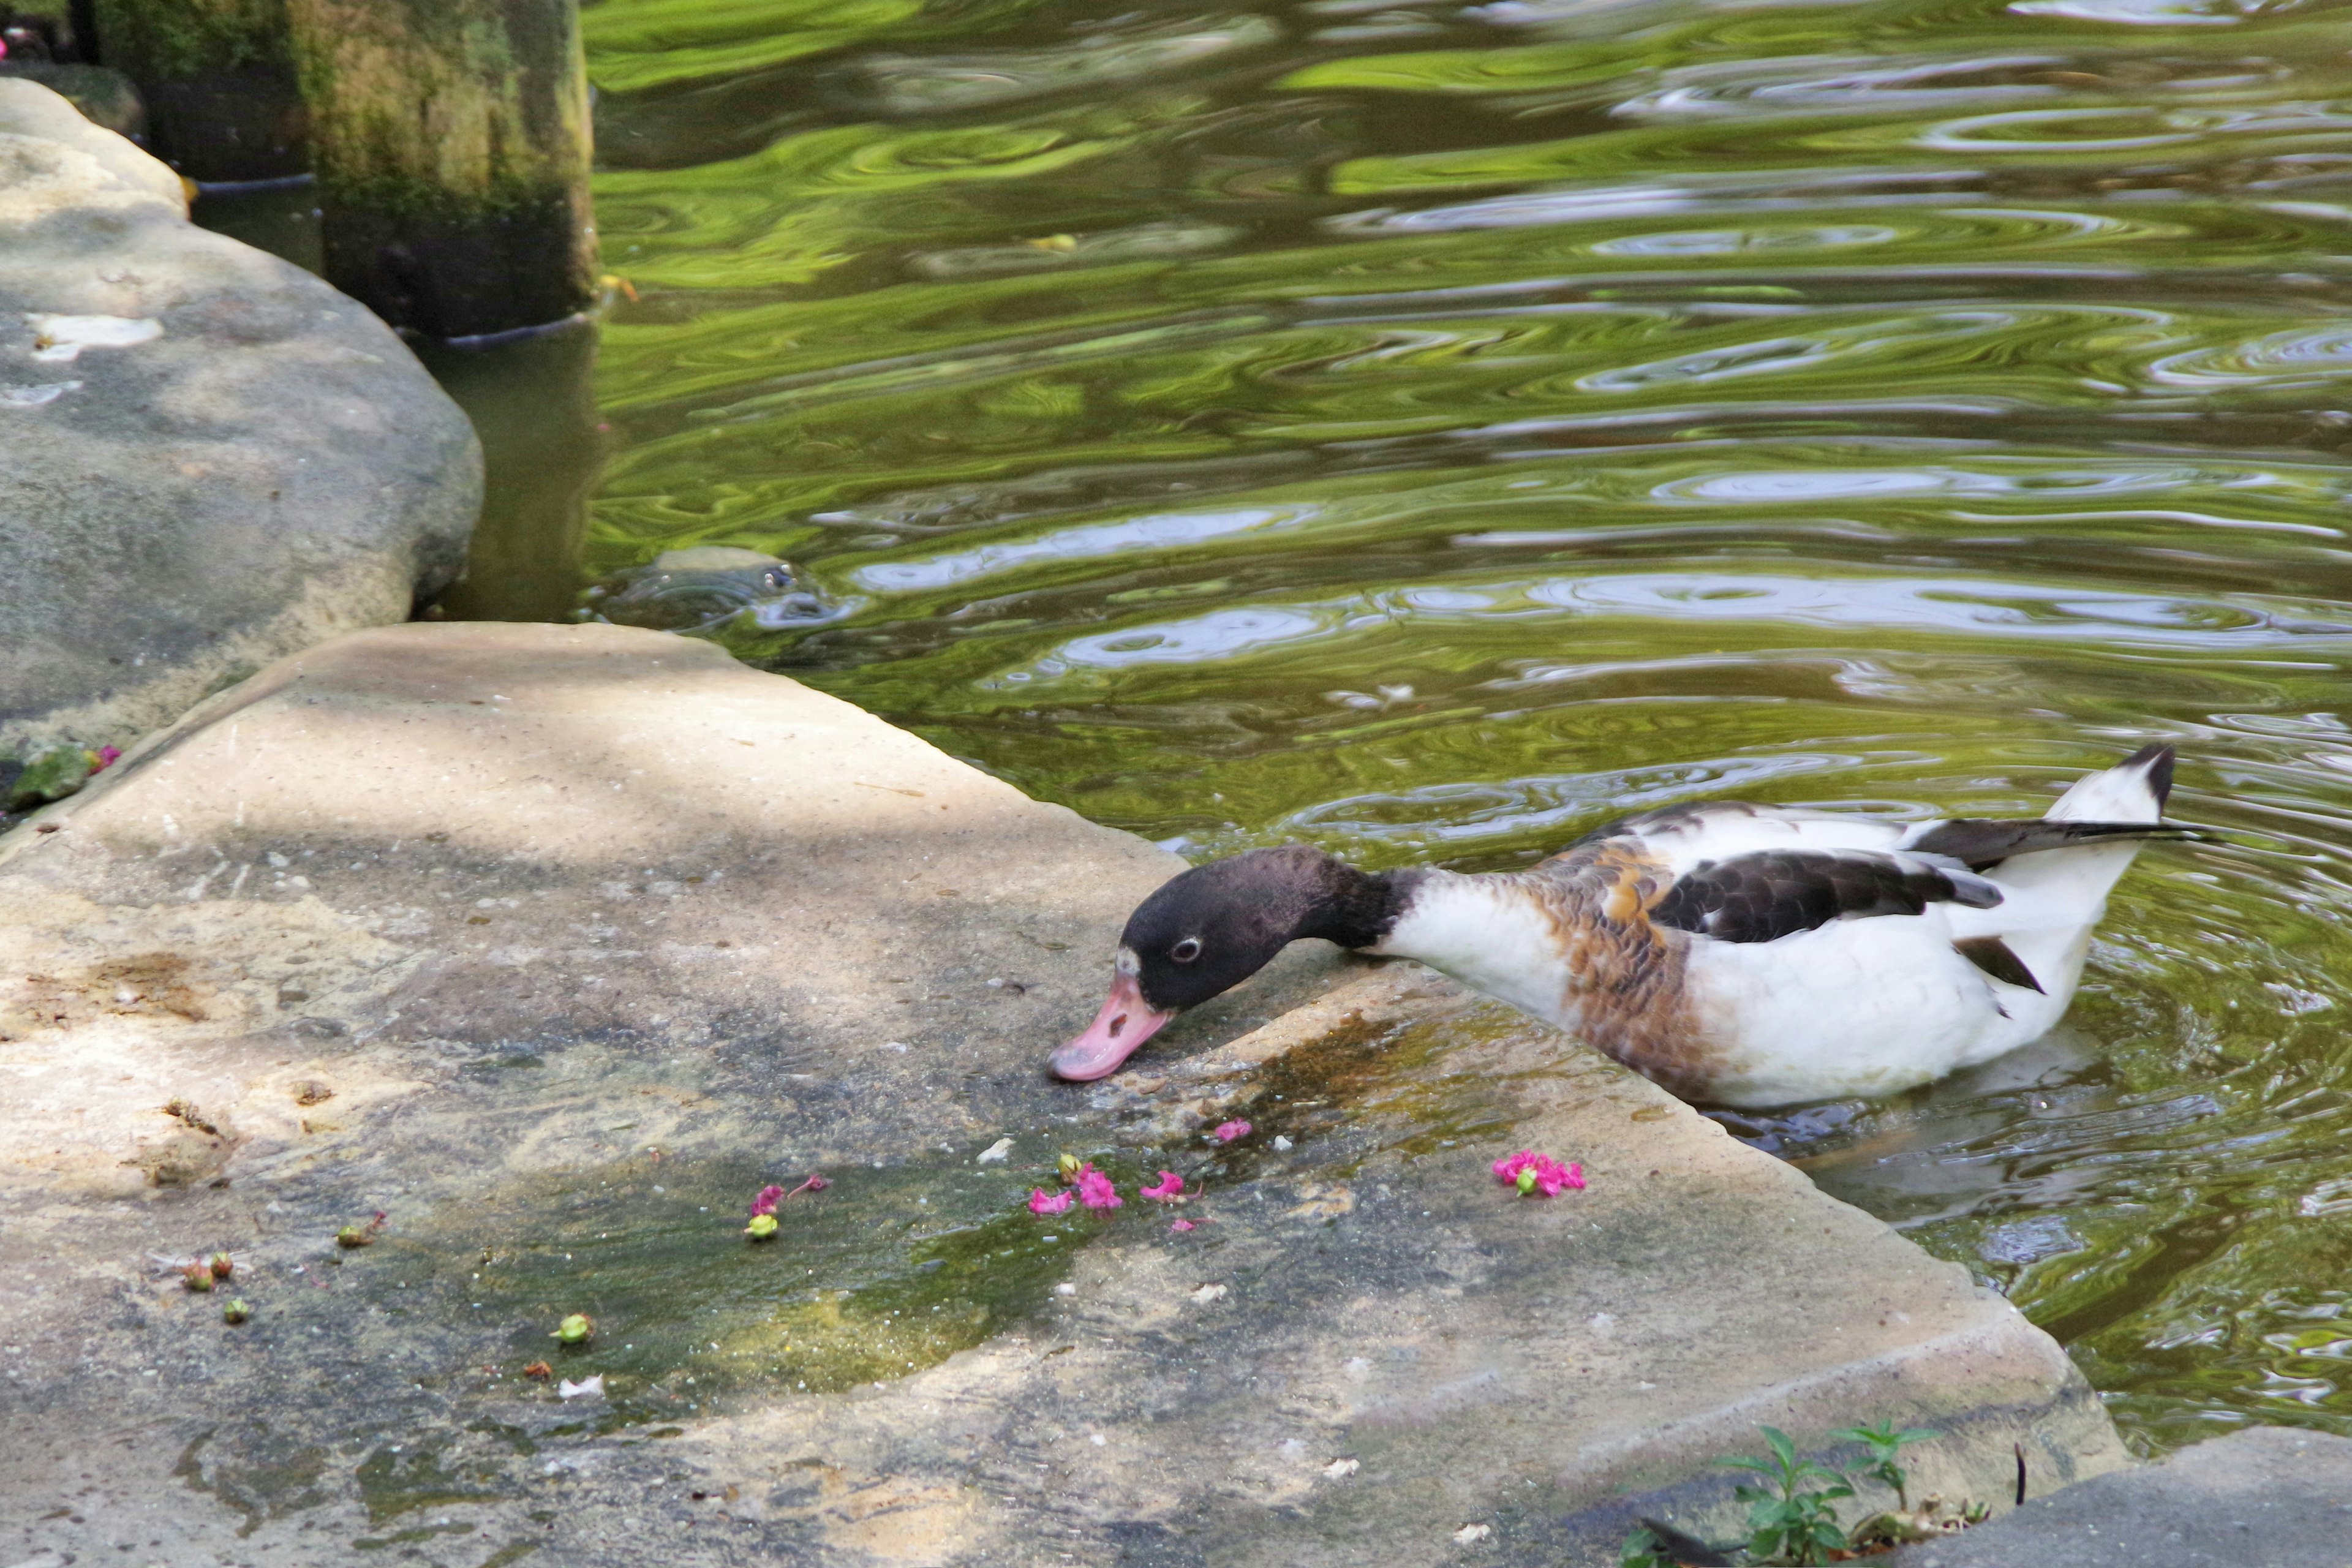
column 212, row 458
column 705, row 587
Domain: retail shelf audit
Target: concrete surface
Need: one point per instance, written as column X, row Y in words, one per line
column 241, row 462
column 2268, row 1497
column 554, row 944
column 2256, row 1498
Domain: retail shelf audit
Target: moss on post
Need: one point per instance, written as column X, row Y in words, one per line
column 451, row 143
column 218, row 81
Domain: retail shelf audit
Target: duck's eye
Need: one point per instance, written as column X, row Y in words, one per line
column 1185, row 951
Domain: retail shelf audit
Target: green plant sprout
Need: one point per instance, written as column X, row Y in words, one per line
column 1792, row 1517
column 1884, row 1443
column 1642, row 1549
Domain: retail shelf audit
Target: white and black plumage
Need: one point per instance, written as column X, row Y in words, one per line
column 1750, row 956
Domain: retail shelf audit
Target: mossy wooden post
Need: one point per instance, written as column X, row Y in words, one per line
column 217, row 78
column 451, row 143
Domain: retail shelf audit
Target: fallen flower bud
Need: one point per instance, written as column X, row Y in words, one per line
column 1228, row 1131
column 1532, row 1173
column 575, row 1329
column 237, row 1311
column 354, row 1236
column 1170, row 1188
column 197, row 1277
column 761, row 1227
column 765, row 1204
column 221, row 1264
column 1095, row 1190
column 539, row 1369
column 1070, row 1165
column 1043, row 1202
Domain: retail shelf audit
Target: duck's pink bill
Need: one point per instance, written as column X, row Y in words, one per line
column 1123, row 1025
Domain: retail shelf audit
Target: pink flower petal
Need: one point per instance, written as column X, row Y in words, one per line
column 1549, row 1176
column 1229, row 1131
column 1182, row 1225
column 1044, row 1202
column 1095, row 1190
column 1509, row 1170
column 1171, row 1187
column 814, row 1185
column 766, row 1202
column 107, row 757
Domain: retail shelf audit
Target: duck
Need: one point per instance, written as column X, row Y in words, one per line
column 1743, row 955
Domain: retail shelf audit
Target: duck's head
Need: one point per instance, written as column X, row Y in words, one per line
column 1214, row 926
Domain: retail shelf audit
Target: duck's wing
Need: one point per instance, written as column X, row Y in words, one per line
column 1766, row 894
column 1735, row 871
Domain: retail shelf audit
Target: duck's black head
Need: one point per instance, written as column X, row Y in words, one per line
column 1213, row 927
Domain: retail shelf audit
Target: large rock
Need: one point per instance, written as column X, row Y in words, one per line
column 208, row 458
column 555, row 944
column 2275, row 1495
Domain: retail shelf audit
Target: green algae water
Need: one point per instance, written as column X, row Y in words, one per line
column 1428, row 429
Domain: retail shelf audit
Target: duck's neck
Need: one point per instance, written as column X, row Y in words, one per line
column 1355, row 909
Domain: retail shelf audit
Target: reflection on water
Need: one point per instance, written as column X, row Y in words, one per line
column 1428, row 428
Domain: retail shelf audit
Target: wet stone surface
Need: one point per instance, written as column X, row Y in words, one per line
column 552, row 945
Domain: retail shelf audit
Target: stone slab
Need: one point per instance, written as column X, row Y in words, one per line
column 554, row 944
column 2275, row 1496
column 268, row 467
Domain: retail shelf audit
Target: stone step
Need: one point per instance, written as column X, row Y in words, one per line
column 553, row 944
column 2276, row 1496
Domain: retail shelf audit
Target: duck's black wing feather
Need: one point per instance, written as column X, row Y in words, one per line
column 1979, row 842
column 1772, row 893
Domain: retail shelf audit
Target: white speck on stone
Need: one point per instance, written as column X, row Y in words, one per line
column 1097, row 1439
column 1602, row 1322
column 996, row 982
column 278, row 861
column 587, row 1388
column 34, row 396
column 996, row 1152
column 1207, row 1293
column 1281, row 1143
column 59, row 339
column 1340, row 1469
column 1292, row 1447
column 1472, row 1534
column 1065, row 1288
column 901, row 1047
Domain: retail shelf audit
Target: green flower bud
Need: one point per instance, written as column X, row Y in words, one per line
column 1071, row 1165
column 197, row 1275
column 1526, row 1182
column 221, row 1264
column 237, row 1311
column 763, row 1227
column 354, row 1236
column 575, row 1330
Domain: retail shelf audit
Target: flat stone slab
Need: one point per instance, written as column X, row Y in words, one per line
column 553, row 944
column 213, row 460
column 2275, row 1495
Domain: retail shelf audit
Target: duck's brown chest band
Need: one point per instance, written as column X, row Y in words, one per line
column 1625, row 975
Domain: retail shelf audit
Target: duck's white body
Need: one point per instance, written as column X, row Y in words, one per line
column 1835, row 961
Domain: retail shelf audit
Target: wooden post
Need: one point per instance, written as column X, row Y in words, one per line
column 218, row 79
column 451, row 143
